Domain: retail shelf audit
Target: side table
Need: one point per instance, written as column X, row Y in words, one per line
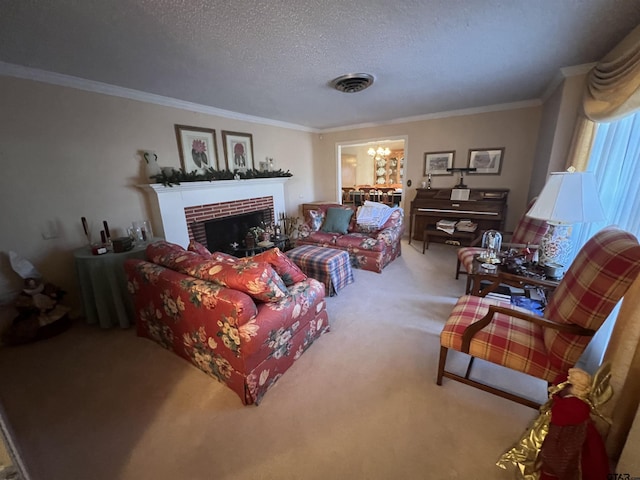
column 103, row 284
column 484, row 280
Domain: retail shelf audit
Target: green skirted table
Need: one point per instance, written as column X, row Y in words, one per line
column 103, row 285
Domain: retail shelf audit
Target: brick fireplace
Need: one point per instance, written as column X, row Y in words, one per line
column 197, row 216
column 179, row 212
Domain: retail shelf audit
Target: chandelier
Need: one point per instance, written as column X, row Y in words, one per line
column 379, row 153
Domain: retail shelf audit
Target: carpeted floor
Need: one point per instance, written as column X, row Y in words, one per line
column 360, row 403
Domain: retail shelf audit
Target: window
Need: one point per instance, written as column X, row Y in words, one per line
column 615, row 162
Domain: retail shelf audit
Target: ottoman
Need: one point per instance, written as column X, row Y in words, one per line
column 327, row 265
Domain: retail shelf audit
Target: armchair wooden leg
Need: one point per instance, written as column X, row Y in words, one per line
column 457, row 269
column 466, row 375
column 441, row 363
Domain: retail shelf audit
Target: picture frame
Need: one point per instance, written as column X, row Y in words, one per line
column 238, row 150
column 436, row 163
column 486, row 161
column 197, row 148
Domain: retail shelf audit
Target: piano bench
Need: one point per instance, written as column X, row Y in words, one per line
column 455, row 238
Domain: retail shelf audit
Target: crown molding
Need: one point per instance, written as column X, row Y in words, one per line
column 435, row 116
column 28, row 73
column 563, row 73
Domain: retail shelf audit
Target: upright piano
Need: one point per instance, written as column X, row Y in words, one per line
column 487, row 207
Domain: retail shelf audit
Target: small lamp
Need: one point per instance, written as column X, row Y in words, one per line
column 567, row 198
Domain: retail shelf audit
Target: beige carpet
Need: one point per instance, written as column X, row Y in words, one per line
column 360, row 403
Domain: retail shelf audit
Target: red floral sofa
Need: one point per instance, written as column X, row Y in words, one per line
column 235, row 319
column 368, row 249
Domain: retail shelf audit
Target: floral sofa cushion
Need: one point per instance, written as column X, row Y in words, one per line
column 283, row 265
column 257, row 279
column 198, row 248
column 360, row 240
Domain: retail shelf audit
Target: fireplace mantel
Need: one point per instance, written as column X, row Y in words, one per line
column 168, row 203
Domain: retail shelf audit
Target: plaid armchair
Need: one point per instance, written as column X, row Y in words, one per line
column 547, row 346
column 528, row 231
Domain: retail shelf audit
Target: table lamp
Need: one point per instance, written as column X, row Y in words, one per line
column 567, row 198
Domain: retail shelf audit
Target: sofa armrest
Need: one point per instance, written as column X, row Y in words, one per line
column 393, row 229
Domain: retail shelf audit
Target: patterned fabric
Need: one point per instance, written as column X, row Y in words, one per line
column 508, row 341
column 466, row 256
column 257, row 279
column 316, row 219
column 528, row 230
column 283, row 265
column 222, row 331
column 223, row 257
column 367, row 250
column 327, row 265
column 199, row 249
column 355, row 241
column 599, row 276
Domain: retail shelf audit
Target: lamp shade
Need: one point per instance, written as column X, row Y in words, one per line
column 569, row 197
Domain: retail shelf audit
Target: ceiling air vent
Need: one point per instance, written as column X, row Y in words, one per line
column 352, row 82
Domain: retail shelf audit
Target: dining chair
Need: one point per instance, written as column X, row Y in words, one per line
column 548, row 345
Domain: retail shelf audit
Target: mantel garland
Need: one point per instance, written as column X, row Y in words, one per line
column 210, row 175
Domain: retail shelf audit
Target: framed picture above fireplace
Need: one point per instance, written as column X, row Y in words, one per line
column 238, row 150
column 197, row 147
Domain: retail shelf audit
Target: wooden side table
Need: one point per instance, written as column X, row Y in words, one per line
column 484, row 281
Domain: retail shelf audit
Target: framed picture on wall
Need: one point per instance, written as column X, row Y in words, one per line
column 436, row 163
column 197, row 147
column 238, row 150
column 487, row 161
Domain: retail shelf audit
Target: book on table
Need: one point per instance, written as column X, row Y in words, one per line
column 448, row 226
column 466, row 226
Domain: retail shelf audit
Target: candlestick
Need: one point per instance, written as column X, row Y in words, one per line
column 106, row 229
column 85, row 227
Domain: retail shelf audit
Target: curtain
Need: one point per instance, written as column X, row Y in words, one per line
column 612, row 91
column 613, row 85
column 624, row 355
column 611, row 98
column 615, row 162
column 581, row 144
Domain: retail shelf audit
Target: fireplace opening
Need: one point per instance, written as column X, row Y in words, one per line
column 222, row 232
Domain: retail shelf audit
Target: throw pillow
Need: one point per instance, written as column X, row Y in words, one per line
column 283, row 265
column 223, row 257
column 198, row 248
column 337, row 220
column 316, row 218
column 257, row 279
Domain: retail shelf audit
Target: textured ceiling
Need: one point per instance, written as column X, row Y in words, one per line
column 274, row 59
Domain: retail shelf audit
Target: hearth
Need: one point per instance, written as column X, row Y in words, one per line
column 222, row 232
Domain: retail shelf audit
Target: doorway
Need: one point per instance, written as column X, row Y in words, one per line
column 373, row 170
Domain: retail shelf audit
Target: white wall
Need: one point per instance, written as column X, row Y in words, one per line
column 67, row 153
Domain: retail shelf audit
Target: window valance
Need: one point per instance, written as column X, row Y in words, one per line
column 613, row 85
